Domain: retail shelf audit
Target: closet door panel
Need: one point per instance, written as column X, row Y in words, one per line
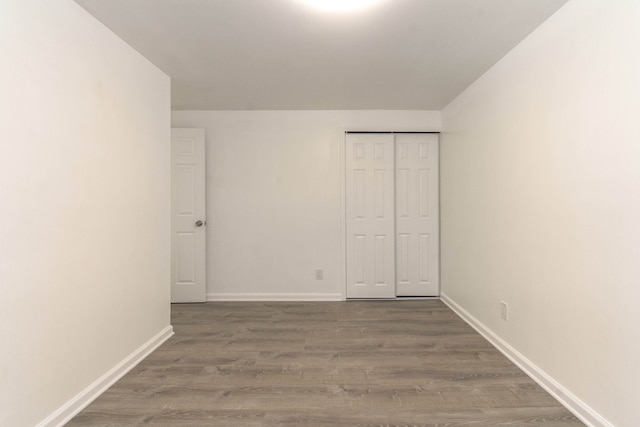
column 417, row 227
column 370, row 206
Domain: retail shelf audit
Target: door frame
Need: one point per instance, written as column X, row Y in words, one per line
column 343, row 198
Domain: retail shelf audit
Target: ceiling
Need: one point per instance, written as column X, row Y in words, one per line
column 282, row 55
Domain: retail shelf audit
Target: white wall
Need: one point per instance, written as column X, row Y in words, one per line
column 84, row 223
column 274, row 197
column 541, row 202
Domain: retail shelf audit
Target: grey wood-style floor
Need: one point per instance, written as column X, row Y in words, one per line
column 356, row 363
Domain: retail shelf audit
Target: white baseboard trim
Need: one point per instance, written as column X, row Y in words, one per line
column 70, row 409
column 580, row 409
column 273, row 297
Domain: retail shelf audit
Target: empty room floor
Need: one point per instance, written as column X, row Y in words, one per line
column 356, row 363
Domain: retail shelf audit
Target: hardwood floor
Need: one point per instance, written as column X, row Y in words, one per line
column 356, row 363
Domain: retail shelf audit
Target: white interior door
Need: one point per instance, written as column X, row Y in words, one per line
column 417, row 212
column 370, row 216
column 392, row 215
column 188, row 237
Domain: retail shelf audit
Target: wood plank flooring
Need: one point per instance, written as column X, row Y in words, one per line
column 356, row 363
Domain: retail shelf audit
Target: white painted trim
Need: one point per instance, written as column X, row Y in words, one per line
column 584, row 412
column 273, row 297
column 70, row 409
column 343, row 219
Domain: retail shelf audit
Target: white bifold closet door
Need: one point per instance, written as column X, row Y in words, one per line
column 392, row 239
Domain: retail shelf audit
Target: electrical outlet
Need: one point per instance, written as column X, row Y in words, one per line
column 319, row 274
column 504, row 310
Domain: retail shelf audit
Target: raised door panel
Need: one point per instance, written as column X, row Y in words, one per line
column 370, row 216
column 417, row 229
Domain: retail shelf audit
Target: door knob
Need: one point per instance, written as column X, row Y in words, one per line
column 199, row 223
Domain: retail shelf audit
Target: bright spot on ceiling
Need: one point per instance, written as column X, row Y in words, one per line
column 341, row 6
